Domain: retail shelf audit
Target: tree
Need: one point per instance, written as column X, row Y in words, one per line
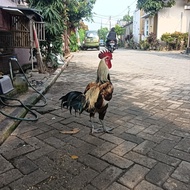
column 78, row 9
column 53, row 13
column 119, row 30
column 81, row 31
column 127, row 17
column 102, row 33
column 153, row 6
column 60, row 16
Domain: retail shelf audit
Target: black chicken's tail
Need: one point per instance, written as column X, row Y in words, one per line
column 73, row 100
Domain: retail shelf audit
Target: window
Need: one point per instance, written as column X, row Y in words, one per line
column 146, row 27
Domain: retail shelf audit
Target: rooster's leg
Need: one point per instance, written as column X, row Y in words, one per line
column 105, row 129
column 99, row 130
column 92, row 125
column 93, row 130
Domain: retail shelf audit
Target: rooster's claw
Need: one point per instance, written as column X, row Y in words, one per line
column 101, row 130
column 108, row 130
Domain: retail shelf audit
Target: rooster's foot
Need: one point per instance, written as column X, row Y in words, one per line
column 101, row 130
column 108, row 130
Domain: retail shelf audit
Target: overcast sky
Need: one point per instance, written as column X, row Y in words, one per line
column 107, row 12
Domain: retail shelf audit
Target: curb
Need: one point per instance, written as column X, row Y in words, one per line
column 9, row 125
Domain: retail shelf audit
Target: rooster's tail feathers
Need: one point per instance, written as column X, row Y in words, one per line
column 73, row 100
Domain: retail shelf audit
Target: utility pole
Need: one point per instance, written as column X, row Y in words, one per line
column 110, row 22
column 188, row 42
column 181, row 22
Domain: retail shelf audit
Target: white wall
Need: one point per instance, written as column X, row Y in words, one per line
column 23, row 55
column 136, row 26
column 173, row 19
column 7, row 3
column 10, row 3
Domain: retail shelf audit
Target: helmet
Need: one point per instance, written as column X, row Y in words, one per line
column 113, row 29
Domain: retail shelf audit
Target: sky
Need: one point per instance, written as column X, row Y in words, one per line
column 108, row 12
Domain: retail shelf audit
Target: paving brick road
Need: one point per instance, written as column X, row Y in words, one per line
column 150, row 145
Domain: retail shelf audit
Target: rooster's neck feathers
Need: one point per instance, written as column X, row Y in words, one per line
column 102, row 72
column 91, row 97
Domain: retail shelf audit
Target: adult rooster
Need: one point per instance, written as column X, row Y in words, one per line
column 96, row 95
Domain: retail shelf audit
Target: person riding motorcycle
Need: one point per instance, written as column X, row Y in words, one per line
column 111, row 36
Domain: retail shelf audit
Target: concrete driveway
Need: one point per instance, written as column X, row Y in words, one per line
column 148, row 150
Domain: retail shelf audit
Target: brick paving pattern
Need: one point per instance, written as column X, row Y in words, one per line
column 148, row 149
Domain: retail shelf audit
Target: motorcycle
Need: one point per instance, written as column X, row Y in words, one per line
column 111, row 46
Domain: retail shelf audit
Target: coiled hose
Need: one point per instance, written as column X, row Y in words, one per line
column 27, row 107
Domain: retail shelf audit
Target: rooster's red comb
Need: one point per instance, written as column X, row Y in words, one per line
column 105, row 53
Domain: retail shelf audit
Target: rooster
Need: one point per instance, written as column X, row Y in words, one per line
column 96, row 95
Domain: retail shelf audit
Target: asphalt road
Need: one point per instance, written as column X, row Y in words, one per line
column 149, row 147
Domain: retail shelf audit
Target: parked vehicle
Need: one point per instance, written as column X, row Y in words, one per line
column 91, row 40
column 111, row 46
column 102, row 43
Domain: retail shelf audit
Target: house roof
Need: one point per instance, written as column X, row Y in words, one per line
column 127, row 24
column 145, row 15
column 13, row 11
column 30, row 13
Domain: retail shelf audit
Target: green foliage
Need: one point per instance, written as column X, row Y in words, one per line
column 51, row 60
column 175, row 41
column 53, row 12
column 166, row 37
column 150, row 43
column 127, row 17
column 71, row 10
column 59, row 15
column 133, row 45
column 144, row 45
column 153, row 6
column 102, row 33
column 119, row 30
column 81, row 35
column 78, row 9
column 73, row 45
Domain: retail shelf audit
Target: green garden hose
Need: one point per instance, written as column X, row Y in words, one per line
column 27, row 107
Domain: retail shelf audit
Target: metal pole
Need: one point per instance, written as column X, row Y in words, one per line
column 41, row 67
column 31, row 43
column 181, row 25
column 188, row 43
column 11, row 69
column 110, row 22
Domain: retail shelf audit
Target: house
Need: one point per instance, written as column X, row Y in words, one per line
column 128, row 33
column 18, row 24
column 128, row 30
column 171, row 19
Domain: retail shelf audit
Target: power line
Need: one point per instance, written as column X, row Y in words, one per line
column 110, row 19
column 106, row 18
column 117, row 14
column 125, row 9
